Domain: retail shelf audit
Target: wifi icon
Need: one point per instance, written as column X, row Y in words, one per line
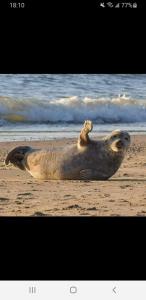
column 110, row 4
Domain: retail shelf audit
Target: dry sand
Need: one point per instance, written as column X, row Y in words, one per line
column 122, row 195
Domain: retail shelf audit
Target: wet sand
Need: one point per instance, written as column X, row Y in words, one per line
column 122, row 195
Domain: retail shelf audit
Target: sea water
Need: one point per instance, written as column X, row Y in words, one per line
column 50, row 106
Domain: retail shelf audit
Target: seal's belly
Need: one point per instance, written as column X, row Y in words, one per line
column 85, row 167
column 75, row 165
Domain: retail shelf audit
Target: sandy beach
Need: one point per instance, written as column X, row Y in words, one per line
column 122, row 195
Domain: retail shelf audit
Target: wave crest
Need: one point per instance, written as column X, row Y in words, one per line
column 120, row 109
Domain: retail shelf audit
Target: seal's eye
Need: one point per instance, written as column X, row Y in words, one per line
column 127, row 138
column 114, row 136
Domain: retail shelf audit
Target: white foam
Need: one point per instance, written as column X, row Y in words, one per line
column 119, row 109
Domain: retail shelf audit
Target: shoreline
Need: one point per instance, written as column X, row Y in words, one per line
column 122, row 195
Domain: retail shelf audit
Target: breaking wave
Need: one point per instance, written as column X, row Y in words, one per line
column 120, row 109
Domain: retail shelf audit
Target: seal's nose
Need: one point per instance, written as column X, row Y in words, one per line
column 120, row 144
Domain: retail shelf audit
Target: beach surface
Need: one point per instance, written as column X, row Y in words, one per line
column 122, row 195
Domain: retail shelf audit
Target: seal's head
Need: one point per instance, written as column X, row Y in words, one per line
column 118, row 140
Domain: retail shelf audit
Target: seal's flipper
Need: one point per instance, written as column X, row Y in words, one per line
column 16, row 156
column 84, row 138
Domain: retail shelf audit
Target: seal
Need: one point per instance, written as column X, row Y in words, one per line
column 85, row 160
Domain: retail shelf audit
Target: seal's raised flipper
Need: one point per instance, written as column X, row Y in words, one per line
column 16, row 156
column 84, row 138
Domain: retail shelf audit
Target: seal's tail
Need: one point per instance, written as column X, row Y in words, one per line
column 16, row 156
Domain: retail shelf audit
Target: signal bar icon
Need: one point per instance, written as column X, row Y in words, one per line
column 117, row 5
column 32, row 290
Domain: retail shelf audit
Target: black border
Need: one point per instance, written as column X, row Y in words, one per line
column 72, row 248
column 73, row 37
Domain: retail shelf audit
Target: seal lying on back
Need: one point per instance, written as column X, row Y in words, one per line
column 87, row 159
